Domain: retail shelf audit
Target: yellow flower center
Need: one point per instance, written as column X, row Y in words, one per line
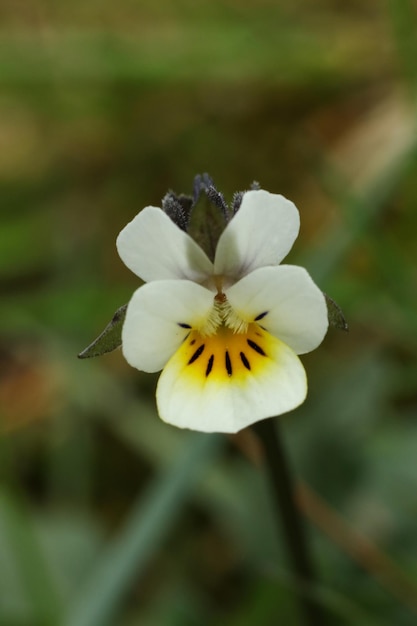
column 225, row 346
column 226, row 353
column 222, row 314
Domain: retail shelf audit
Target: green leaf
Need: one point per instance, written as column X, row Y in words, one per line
column 335, row 314
column 110, row 338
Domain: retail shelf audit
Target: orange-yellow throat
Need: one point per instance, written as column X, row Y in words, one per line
column 226, row 354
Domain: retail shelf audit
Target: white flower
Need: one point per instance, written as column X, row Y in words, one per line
column 225, row 334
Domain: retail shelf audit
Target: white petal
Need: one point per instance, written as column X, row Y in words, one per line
column 151, row 331
column 295, row 307
column 154, row 248
column 261, row 233
column 232, row 396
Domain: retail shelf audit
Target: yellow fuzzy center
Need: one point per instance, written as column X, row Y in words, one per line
column 222, row 314
column 225, row 346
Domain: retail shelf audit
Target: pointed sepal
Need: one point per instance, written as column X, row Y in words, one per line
column 335, row 314
column 109, row 339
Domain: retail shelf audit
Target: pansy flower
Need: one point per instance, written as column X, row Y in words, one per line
column 225, row 332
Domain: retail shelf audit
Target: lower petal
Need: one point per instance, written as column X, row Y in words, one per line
column 228, row 381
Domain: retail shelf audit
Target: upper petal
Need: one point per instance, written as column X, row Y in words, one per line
column 261, row 233
column 291, row 305
column 224, row 387
column 151, row 331
column 154, row 248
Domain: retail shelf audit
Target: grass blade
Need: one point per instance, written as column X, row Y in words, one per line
column 150, row 520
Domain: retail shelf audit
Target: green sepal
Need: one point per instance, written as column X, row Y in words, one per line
column 206, row 225
column 109, row 339
column 335, row 314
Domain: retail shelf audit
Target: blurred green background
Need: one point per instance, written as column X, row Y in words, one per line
column 108, row 516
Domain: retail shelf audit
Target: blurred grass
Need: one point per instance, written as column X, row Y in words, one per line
column 103, row 108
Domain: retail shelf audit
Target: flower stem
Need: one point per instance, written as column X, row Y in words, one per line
column 290, row 519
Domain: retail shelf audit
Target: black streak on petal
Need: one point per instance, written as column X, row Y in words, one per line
column 260, row 316
column 197, row 354
column 228, row 364
column 255, row 347
column 245, row 360
column 210, row 365
column 183, row 325
column 192, row 342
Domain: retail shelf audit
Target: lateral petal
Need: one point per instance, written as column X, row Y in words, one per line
column 285, row 301
column 154, row 248
column 216, row 389
column 260, row 234
column 159, row 317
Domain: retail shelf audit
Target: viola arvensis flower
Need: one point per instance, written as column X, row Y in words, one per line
column 225, row 333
